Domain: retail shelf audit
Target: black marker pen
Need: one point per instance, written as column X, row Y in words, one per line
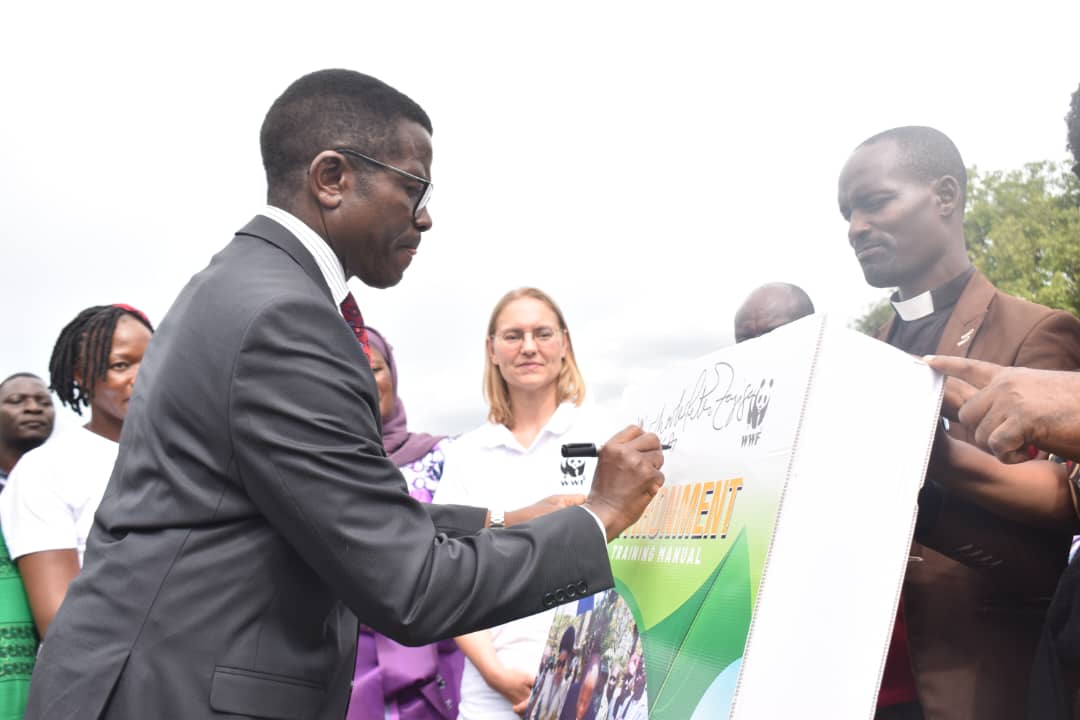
column 588, row 450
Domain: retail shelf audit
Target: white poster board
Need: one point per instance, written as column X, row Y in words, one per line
column 763, row 580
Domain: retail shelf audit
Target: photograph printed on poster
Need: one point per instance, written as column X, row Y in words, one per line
column 593, row 666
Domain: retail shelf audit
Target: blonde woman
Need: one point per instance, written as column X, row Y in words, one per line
column 535, row 393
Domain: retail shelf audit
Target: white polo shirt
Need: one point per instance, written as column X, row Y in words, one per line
column 488, row 467
column 53, row 492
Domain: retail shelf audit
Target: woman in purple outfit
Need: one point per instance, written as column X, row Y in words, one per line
column 393, row 681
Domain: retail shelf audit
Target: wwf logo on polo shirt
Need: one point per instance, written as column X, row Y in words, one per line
column 573, row 472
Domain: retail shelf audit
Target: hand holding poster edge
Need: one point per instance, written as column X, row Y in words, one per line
column 1001, row 404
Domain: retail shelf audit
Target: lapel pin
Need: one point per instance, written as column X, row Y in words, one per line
column 965, row 337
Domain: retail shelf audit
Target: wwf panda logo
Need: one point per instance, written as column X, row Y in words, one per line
column 573, row 471
column 759, row 405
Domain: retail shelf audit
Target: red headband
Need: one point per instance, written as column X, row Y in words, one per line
column 133, row 310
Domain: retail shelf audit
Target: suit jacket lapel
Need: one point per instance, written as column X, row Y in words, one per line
column 884, row 331
column 269, row 230
column 967, row 317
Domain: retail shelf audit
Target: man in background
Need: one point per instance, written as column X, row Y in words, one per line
column 26, row 421
column 26, row 418
column 975, row 592
column 768, row 307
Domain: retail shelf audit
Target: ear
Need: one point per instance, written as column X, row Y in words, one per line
column 326, row 179
column 948, row 194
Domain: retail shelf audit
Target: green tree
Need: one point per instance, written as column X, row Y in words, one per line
column 875, row 315
column 1023, row 233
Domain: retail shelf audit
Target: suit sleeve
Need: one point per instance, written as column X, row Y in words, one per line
column 1023, row 557
column 456, row 520
column 308, row 453
column 1015, row 555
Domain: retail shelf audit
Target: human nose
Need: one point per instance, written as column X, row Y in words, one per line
column 134, row 372
column 422, row 220
column 528, row 342
column 35, row 406
column 858, row 227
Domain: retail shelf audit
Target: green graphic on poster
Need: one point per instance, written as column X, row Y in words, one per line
column 688, row 571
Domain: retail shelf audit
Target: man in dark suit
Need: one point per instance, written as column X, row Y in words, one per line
column 252, row 506
column 975, row 593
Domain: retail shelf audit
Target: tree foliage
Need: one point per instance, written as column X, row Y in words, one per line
column 875, row 315
column 1023, row 233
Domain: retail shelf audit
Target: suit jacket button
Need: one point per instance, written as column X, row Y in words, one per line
column 571, row 591
column 440, row 682
column 549, row 600
column 560, row 596
column 582, row 588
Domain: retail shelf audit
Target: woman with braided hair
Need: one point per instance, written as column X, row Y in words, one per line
column 48, row 506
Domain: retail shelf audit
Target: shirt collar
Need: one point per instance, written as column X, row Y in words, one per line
column 495, row 435
column 927, row 303
column 329, row 265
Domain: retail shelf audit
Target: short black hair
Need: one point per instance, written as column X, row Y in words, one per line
column 83, row 350
column 327, row 109
column 926, row 153
column 12, row 376
column 566, row 643
column 1072, row 121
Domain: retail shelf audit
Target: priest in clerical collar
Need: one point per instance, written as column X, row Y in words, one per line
column 969, row 619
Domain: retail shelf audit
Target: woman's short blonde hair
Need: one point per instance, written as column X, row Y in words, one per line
column 570, row 385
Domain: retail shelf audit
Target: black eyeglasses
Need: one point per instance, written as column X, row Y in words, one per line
column 425, row 196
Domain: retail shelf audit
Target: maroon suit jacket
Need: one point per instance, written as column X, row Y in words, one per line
column 975, row 599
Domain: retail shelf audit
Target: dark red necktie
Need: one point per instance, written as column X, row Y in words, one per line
column 351, row 312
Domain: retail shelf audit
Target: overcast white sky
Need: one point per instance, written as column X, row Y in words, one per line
column 646, row 164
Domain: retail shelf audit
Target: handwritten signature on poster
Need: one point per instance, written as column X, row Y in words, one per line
column 716, row 397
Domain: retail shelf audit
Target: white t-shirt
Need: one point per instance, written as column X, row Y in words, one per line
column 488, row 467
column 54, row 491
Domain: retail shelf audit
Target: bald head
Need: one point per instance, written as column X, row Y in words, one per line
column 769, row 307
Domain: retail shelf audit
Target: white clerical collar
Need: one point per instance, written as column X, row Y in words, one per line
column 932, row 301
column 916, row 308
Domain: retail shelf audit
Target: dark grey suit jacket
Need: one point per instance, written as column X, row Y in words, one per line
column 252, row 507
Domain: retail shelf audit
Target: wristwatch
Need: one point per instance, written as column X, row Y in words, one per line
column 497, row 519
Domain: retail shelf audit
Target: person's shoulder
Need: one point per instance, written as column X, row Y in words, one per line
column 477, row 439
column 63, row 461
column 1036, row 326
column 1029, row 313
column 248, row 277
column 62, row 447
column 461, row 452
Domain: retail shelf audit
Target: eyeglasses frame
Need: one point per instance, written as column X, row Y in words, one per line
column 425, row 196
column 558, row 333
